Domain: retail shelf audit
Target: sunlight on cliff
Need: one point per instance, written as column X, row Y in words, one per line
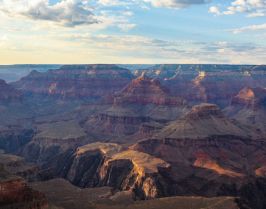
column 197, row 82
column 205, row 161
column 52, row 88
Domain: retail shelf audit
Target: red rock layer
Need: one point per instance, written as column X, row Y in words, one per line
column 143, row 91
column 79, row 81
column 250, row 97
column 15, row 193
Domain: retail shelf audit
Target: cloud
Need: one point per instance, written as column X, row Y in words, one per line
column 85, row 47
column 215, row 10
column 66, row 12
column 253, row 8
column 116, row 2
column 250, row 28
column 126, row 26
column 154, row 3
column 176, row 3
column 125, row 48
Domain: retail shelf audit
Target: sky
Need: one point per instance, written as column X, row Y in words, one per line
column 132, row 31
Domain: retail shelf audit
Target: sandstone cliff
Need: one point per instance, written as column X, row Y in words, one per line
column 103, row 164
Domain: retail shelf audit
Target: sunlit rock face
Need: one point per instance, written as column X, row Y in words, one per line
column 107, row 164
column 249, row 108
column 208, row 146
column 76, row 81
column 209, row 154
column 251, row 97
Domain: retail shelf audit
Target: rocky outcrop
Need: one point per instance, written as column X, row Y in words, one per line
column 17, row 166
column 137, row 172
column 115, row 123
column 76, row 81
column 145, row 90
column 103, row 164
column 143, row 101
column 16, row 194
column 249, row 108
column 8, row 93
column 208, row 83
column 251, row 98
column 212, row 167
column 209, row 155
column 203, row 121
column 40, row 150
column 52, row 139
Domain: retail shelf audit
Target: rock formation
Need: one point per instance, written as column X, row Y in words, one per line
column 208, row 83
column 203, row 121
column 52, row 139
column 76, row 81
column 249, row 108
column 143, row 91
column 14, row 193
column 106, row 164
column 144, row 102
column 8, row 93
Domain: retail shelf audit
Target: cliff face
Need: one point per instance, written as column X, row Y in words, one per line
column 249, row 108
column 212, row 166
column 145, row 90
column 203, row 121
column 8, row 93
column 84, row 81
column 107, row 165
column 52, row 139
column 144, row 102
column 115, row 123
column 210, row 83
column 209, row 155
column 42, row 149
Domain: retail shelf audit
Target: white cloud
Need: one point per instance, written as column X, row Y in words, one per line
column 66, row 12
column 126, row 26
column 155, row 3
column 129, row 48
column 115, row 2
column 253, row 8
column 176, row 3
column 81, row 47
column 250, row 28
column 215, row 10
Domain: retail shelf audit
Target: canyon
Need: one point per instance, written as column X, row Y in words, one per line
column 190, row 135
